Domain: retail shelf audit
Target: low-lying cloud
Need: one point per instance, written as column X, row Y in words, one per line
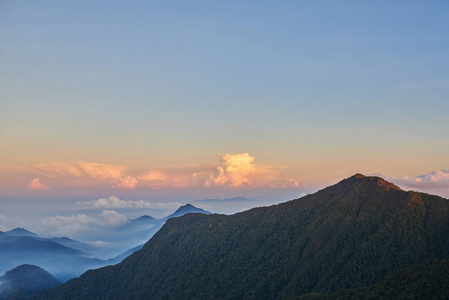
column 435, row 179
column 114, row 202
column 79, row 224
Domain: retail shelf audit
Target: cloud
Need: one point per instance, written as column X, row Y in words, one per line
column 80, row 169
column 154, row 175
column 7, row 223
column 435, row 179
column 289, row 183
column 113, row 219
column 81, row 223
column 127, row 182
column 35, row 184
column 232, row 171
column 113, row 202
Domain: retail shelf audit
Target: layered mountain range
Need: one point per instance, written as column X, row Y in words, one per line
column 350, row 237
column 66, row 258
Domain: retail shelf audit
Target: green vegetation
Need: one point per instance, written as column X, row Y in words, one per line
column 347, row 236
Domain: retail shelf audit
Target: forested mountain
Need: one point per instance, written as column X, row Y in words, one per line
column 347, row 236
column 25, row 280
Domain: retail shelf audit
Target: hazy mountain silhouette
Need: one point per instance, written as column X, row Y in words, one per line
column 66, row 258
column 62, row 261
column 350, row 235
column 20, row 232
column 186, row 209
column 25, row 280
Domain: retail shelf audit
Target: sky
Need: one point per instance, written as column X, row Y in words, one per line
column 169, row 102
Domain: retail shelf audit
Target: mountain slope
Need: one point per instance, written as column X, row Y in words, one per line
column 349, row 235
column 25, row 280
column 428, row 280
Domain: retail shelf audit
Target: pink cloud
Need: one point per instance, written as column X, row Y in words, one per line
column 127, row 182
column 35, row 184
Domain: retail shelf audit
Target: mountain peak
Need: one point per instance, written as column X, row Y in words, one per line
column 20, row 232
column 360, row 179
column 185, row 209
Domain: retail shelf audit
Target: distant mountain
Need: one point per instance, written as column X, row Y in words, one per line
column 348, row 236
column 140, row 230
column 87, row 249
column 144, row 218
column 186, row 209
column 235, row 199
column 20, row 232
column 62, row 261
column 25, row 280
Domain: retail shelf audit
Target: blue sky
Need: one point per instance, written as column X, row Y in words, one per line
column 153, row 98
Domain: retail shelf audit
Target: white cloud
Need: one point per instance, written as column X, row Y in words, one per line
column 435, row 179
column 8, row 223
column 114, row 202
column 112, row 218
column 79, row 224
column 35, row 184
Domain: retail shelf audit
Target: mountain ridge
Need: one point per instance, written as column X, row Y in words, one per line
column 349, row 235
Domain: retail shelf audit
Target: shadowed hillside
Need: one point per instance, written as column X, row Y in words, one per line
column 25, row 280
column 346, row 236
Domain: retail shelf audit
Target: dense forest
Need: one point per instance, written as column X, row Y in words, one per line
column 356, row 235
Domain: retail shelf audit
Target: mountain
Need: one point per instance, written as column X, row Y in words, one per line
column 20, row 232
column 25, row 280
column 235, row 199
column 86, row 248
column 122, row 256
column 186, row 209
column 348, row 236
column 144, row 218
column 62, row 261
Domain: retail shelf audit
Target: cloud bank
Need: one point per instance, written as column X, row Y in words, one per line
column 435, row 179
column 79, row 224
column 114, row 202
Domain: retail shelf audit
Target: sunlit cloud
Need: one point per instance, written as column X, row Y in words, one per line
column 229, row 171
column 289, row 183
column 232, row 171
column 35, row 184
column 127, row 182
column 239, row 170
column 81, row 169
column 155, row 175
